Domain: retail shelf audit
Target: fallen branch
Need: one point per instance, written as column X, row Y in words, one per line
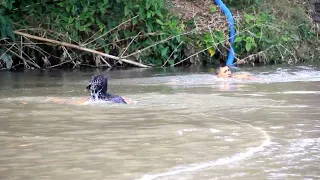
column 80, row 48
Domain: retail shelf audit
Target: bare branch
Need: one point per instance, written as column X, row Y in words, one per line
column 80, row 48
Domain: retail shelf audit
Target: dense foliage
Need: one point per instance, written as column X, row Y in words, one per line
column 144, row 31
column 118, row 27
column 276, row 32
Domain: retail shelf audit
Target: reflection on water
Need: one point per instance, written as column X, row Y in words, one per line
column 185, row 125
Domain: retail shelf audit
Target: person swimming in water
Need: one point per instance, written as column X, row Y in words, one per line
column 223, row 71
column 98, row 86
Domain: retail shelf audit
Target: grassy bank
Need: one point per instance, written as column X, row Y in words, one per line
column 97, row 33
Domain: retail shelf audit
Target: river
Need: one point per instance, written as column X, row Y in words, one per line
column 185, row 124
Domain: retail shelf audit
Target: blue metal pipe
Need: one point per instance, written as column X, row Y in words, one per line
column 227, row 12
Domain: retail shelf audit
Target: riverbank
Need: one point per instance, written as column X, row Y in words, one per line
column 155, row 33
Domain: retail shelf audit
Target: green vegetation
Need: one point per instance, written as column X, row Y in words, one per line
column 146, row 31
column 118, row 27
column 277, row 32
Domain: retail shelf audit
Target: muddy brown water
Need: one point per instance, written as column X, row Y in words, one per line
column 184, row 125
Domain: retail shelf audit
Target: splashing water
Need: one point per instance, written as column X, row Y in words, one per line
column 199, row 79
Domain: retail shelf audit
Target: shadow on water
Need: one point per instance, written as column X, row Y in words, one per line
column 185, row 124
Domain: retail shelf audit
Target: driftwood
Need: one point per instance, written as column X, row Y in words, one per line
column 80, row 48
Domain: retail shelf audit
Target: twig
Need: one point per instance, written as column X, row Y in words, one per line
column 59, row 64
column 295, row 58
column 280, row 52
column 21, row 46
column 124, row 39
column 29, row 61
column 110, row 30
column 172, row 53
column 215, row 44
column 13, row 67
column 129, row 44
column 25, row 62
column 7, row 50
column 192, row 55
column 67, row 53
column 32, row 45
column 139, row 51
column 105, row 61
column 80, row 48
column 189, row 32
column 40, row 29
column 261, row 52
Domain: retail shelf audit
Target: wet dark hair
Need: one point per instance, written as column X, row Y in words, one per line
column 219, row 68
column 98, row 86
column 98, row 83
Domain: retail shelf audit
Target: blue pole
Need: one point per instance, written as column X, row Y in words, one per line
column 227, row 12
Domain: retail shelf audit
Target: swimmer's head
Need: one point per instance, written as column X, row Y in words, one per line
column 223, row 71
column 98, row 86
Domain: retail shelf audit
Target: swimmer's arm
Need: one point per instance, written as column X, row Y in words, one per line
column 244, row 76
column 81, row 102
column 127, row 100
column 64, row 101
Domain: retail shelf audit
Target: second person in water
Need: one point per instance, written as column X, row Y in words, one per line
column 223, row 71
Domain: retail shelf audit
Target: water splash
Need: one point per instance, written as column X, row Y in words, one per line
column 207, row 79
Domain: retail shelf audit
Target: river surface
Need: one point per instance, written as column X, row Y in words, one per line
column 184, row 124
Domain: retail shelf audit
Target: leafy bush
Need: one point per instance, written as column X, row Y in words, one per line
column 275, row 32
column 142, row 30
column 145, row 31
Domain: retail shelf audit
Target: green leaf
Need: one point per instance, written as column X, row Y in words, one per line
column 134, row 21
column 249, row 43
column 248, row 46
column 83, row 28
column 148, row 4
column 158, row 12
column 175, row 56
column 3, row 32
column 238, row 39
column 61, row 4
column 149, row 27
column 159, row 21
column 100, row 24
column 101, row 42
column 164, row 51
column 126, row 10
column 142, row 14
column 171, row 61
column 70, row 20
column 248, row 17
column 213, row 9
column 10, row 32
column 149, row 14
column 77, row 24
column 9, row 4
column 103, row 10
column 178, row 38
